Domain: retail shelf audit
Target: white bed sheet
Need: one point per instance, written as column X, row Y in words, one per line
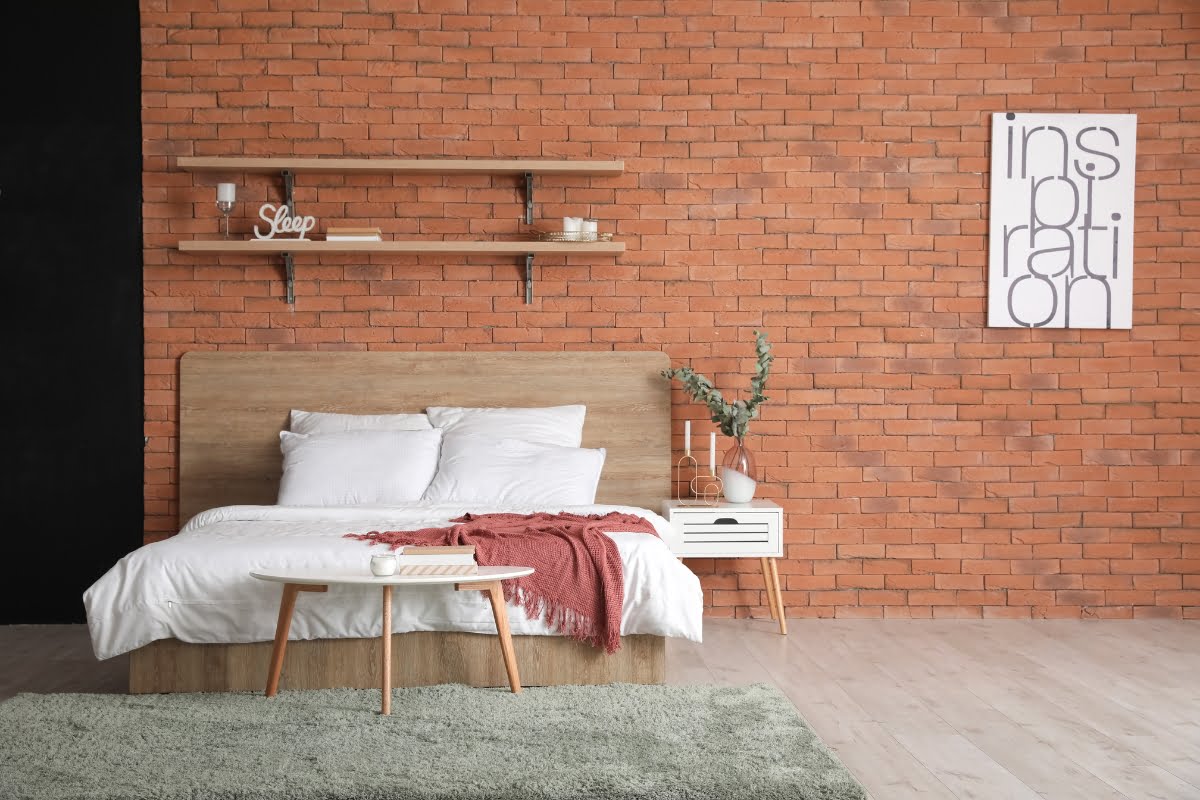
column 196, row 585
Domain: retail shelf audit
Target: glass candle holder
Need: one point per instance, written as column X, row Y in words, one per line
column 226, row 196
column 383, row 564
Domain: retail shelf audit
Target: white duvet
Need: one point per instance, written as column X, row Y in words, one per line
column 196, row 586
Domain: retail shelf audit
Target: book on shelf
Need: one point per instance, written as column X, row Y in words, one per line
column 437, row 560
column 337, row 234
column 334, row 229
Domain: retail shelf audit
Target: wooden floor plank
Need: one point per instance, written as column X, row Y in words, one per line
column 1160, row 728
column 686, row 666
column 1123, row 671
column 933, row 676
column 1059, row 723
column 964, row 768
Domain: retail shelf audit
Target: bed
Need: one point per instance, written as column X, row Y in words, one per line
column 194, row 621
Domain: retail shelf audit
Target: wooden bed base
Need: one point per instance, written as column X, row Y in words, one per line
column 418, row 659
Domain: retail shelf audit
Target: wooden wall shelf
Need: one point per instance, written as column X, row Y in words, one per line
column 276, row 246
column 289, row 248
column 288, row 167
column 399, row 166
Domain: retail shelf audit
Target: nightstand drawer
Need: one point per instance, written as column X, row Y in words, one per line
column 717, row 527
column 727, row 532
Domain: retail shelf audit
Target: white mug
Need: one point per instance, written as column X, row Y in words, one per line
column 383, row 564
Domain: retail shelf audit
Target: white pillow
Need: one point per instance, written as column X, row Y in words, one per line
column 357, row 467
column 311, row 422
column 504, row 472
column 560, row 425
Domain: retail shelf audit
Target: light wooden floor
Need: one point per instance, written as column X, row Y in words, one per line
column 959, row 709
column 916, row 709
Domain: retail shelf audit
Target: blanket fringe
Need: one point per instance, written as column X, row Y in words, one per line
column 562, row 620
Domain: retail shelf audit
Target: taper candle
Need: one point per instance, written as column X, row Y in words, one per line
column 712, row 454
column 687, row 437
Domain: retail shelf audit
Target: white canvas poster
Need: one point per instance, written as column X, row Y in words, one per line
column 1061, row 233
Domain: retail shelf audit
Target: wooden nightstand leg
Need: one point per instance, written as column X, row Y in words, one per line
column 770, row 584
column 385, row 660
column 287, row 605
column 778, row 597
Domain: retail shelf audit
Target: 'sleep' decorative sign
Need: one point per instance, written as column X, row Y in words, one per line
column 282, row 221
column 1061, row 232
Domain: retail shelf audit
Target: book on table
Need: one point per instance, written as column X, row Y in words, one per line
column 437, row 560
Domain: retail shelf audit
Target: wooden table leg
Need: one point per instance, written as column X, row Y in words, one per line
column 770, row 584
column 385, row 664
column 778, row 597
column 286, row 606
column 495, row 593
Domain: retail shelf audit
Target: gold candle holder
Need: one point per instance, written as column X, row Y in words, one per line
column 686, row 470
column 707, row 488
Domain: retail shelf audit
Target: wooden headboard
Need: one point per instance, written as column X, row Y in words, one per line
column 234, row 404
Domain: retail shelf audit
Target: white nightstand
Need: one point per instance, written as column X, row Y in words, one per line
column 732, row 530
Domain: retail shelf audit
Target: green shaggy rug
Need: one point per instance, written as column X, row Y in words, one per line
column 593, row 742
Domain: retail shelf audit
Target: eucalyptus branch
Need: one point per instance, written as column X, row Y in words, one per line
column 733, row 418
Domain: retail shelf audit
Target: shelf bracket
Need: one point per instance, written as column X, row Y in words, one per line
column 528, row 278
column 289, row 275
column 528, row 198
column 289, row 191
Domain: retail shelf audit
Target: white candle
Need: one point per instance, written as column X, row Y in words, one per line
column 590, row 226
column 687, row 437
column 712, row 454
column 383, row 564
column 571, row 224
column 226, row 192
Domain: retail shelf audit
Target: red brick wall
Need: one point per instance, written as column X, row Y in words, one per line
column 814, row 169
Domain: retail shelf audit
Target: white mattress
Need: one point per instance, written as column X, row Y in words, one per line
column 196, row 586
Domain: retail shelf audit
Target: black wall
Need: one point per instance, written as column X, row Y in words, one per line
column 71, row 258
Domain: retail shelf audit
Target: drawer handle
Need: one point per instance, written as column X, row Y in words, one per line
column 725, row 521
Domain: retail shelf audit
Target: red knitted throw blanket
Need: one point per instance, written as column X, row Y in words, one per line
column 577, row 584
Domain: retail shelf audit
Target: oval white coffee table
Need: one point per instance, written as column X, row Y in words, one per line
column 487, row 581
